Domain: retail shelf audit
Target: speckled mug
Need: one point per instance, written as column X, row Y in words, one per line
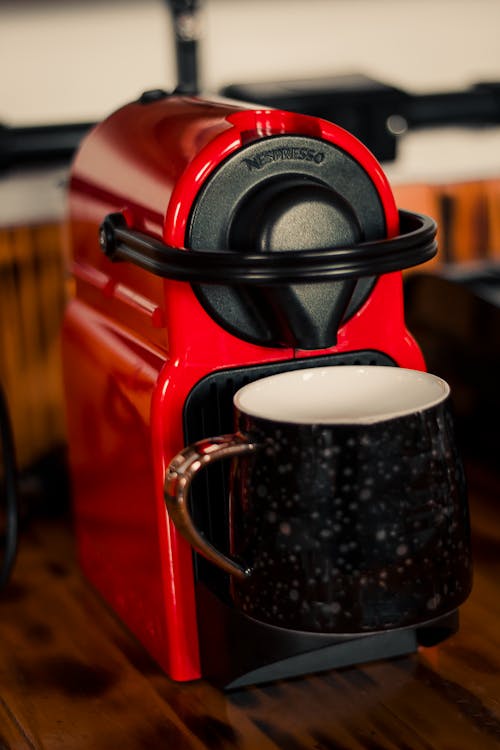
column 348, row 504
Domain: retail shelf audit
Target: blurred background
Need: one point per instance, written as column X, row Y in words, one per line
column 70, row 63
column 71, row 60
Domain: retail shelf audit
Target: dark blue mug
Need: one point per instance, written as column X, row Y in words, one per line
column 348, row 503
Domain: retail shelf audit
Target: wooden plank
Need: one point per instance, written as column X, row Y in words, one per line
column 48, row 258
column 423, row 199
column 493, row 212
column 11, row 345
column 71, row 676
column 66, row 655
column 31, row 309
column 64, row 681
column 30, row 332
column 12, row 736
column 468, row 227
column 466, row 214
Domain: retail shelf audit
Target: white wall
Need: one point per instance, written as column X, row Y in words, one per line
column 64, row 60
column 77, row 60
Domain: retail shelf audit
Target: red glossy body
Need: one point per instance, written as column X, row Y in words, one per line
column 134, row 345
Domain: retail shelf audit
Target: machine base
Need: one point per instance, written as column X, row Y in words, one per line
column 237, row 651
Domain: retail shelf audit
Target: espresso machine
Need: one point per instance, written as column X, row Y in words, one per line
column 212, row 243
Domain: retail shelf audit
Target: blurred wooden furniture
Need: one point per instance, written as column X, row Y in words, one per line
column 32, row 299
column 72, row 678
column 467, row 215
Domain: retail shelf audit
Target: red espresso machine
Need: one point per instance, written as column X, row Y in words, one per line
column 213, row 243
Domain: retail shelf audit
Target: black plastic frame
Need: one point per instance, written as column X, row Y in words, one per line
column 237, row 651
column 415, row 244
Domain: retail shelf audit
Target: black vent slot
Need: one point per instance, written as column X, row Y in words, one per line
column 208, row 411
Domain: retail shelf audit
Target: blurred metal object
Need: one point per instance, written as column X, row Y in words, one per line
column 375, row 112
column 187, row 31
column 45, row 144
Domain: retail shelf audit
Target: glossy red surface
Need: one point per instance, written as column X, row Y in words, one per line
column 134, row 345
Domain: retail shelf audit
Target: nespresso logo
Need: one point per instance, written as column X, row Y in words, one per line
column 284, row 154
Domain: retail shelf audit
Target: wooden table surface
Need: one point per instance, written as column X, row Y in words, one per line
column 72, row 677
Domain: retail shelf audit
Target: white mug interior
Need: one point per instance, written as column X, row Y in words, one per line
column 347, row 394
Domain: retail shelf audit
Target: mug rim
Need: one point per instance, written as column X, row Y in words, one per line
column 275, row 412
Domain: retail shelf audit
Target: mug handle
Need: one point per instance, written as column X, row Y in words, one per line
column 178, row 477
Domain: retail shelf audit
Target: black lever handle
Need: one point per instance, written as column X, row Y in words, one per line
column 415, row 244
